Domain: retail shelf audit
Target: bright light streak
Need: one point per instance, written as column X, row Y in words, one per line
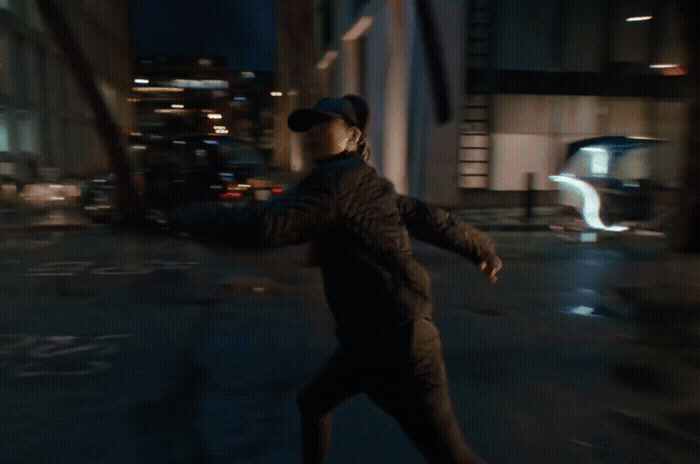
column 638, row 18
column 177, row 105
column 276, row 94
column 327, row 59
column 591, row 203
column 359, row 29
column 214, row 116
column 141, row 81
column 663, row 65
column 208, row 84
column 157, row 89
column 219, row 127
column 583, row 310
column 179, row 142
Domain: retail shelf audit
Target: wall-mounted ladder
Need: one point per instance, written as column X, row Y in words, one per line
column 475, row 127
column 474, row 143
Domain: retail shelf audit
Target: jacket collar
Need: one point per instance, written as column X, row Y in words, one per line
column 340, row 156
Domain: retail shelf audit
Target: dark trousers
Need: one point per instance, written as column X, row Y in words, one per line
column 405, row 376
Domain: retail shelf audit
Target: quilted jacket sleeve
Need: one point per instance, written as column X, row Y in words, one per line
column 440, row 228
column 303, row 214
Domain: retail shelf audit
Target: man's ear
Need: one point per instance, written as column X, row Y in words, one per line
column 354, row 134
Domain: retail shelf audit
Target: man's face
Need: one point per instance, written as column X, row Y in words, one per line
column 327, row 138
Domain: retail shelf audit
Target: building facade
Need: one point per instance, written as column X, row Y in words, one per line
column 47, row 128
column 522, row 78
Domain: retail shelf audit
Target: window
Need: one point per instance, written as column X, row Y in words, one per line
column 32, row 72
column 4, row 133
column 28, row 133
column 5, row 63
column 33, row 16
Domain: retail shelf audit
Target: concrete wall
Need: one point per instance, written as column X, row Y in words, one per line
column 442, row 175
column 531, row 133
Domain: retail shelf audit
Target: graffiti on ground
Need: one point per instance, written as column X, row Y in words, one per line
column 72, row 268
column 56, row 355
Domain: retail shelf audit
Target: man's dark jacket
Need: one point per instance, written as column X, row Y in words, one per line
column 361, row 228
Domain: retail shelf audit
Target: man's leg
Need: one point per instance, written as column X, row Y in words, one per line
column 423, row 408
column 332, row 384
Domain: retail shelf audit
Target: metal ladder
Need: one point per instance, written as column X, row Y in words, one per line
column 475, row 128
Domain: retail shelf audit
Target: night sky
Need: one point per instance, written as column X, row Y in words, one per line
column 243, row 31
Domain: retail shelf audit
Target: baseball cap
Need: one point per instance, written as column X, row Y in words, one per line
column 326, row 109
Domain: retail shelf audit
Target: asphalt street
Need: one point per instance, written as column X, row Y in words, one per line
column 121, row 348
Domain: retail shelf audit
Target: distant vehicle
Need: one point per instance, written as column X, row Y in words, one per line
column 186, row 168
column 606, row 179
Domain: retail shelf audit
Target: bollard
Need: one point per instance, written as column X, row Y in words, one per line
column 529, row 196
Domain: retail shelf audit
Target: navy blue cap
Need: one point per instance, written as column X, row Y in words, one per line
column 326, row 109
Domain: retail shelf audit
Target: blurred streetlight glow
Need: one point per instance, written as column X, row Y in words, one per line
column 248, row 74
column 177, row 105
column 214, row 115
column 632, row 19
column 141, row 81
column 663, row 65
column 276, row 94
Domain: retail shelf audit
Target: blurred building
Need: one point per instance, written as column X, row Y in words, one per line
column 199, row 94
column 46, row 124
column 523, row 78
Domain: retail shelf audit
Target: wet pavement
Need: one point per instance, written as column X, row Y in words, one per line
column 581, row 353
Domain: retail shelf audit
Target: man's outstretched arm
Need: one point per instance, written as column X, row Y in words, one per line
column 300, row 216
column 438, row 227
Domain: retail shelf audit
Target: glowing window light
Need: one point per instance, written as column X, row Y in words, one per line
column 600, row 160
column 632, row 19
column 591, row 203
column 214, row 115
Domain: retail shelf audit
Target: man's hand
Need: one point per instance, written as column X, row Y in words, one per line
column 490, row 267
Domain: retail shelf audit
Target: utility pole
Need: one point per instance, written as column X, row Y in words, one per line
column 128, row 205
